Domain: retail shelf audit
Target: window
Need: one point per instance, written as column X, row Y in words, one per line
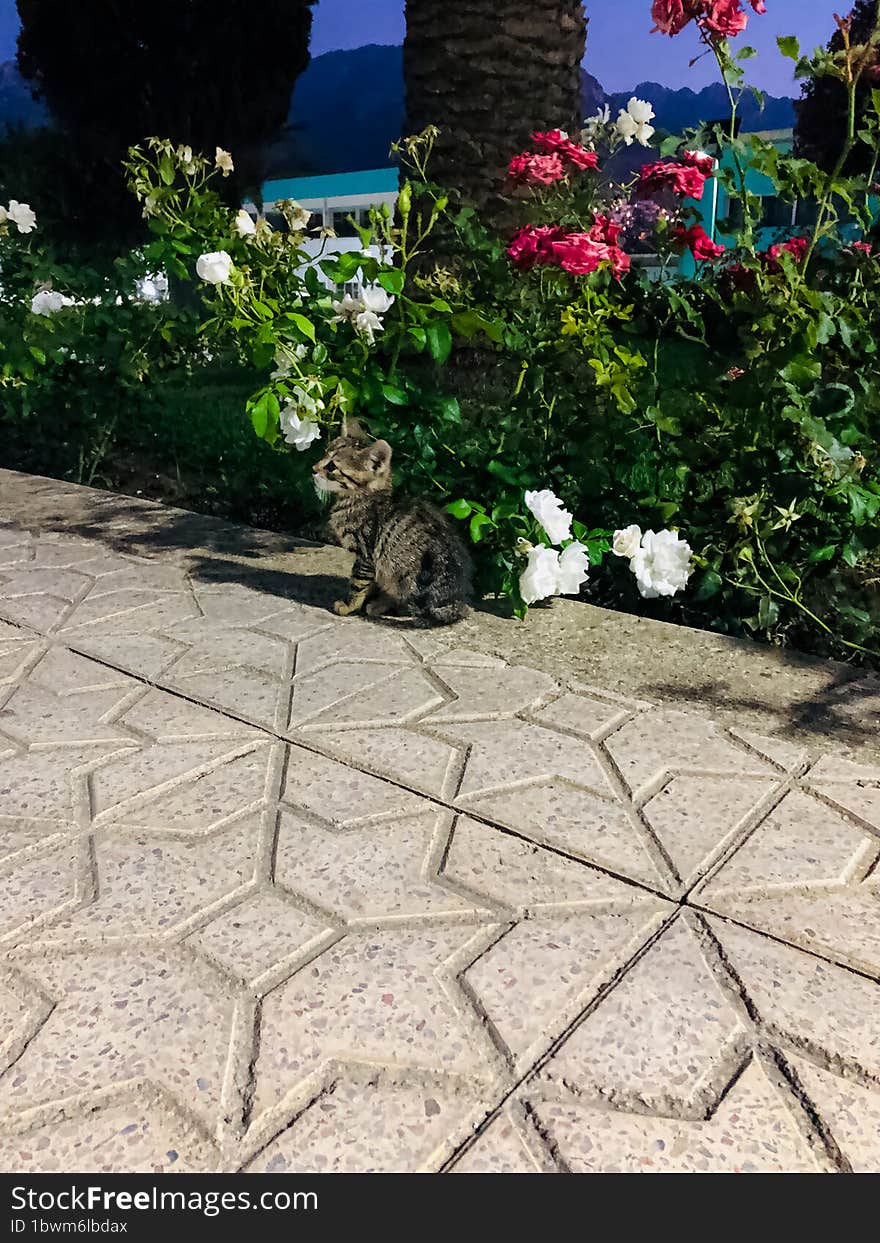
column 776, row 213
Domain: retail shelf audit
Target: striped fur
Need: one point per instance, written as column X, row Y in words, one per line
column 408, row 560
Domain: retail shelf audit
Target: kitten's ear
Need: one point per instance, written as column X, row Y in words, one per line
column 379, row 455
column 352, row 429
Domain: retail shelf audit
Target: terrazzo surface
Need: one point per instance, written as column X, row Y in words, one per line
column 283, row 892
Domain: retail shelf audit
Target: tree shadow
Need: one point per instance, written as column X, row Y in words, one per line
column 833, row 709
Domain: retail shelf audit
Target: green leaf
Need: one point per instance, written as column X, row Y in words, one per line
column 459, row 509
column 439, row 340
column 392, row 280
column 789, row 46
column 768, row 613
column 306, row 327
column 477, row 523
column 395, row 395
column 823, row 554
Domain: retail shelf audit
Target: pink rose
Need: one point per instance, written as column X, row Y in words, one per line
column 700, row 243
column 699, row 159
column 535, row 170
column 683, row 179
column 555, row 142
column 797, row 247
column 531, row 245
column 670, row 16
column 606, row 230
column 723, row 18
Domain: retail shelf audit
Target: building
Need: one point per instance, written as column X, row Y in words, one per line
column 333, row 200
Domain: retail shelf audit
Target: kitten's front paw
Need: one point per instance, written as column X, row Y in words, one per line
column 342, row 608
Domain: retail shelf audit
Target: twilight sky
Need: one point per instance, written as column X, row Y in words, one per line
column 621, row 51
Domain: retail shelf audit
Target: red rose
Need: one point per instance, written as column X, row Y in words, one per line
column 699, row 159
column 535, row 170
column 797, row 247
column 700, row 243
column 531, row 245
column 606, row 230
column 556, row 142
column 683, row 179
column 670, row 16
column 723, row 18
column 580, row 254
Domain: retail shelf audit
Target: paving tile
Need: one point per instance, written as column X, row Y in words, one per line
column 410, row 756
column 244, row 692
column 493, row 692
column 259, row 932
column 849, row 1110
column 352, row 642
column 753, row 1130
column 339, row 795
column 153, row 1015
column 378, row 997
column 582, row 715
column 660, row 742
column 145, row 887
column 800, row 842
column 164, row 717
column 190, row 787
column 39, row 791
column 375, row 872
column 37, row 889
column 805, row 1002
column 536, row 979
column 364, row 694
column 369, row 1127
column 500, row 1149
column 139, row 1137
column 525, row 877
column 695, row 818
column 666, row 1038
column 129, row 611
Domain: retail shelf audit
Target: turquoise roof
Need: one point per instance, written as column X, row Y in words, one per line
column 333, row 185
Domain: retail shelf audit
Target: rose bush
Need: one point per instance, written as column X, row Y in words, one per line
column 731, row 416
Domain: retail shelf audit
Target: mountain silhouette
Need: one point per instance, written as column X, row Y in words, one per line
column 347, row 109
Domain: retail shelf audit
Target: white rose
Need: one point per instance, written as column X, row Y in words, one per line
column 540, row 578
column 347, row 308
column 48, row 301
column 152, row 288
column 548, row 510
column 574, row 565
column 245, row 223
column 299, row 217
column 376, row 299
column 626, row 542
column 633, row 123
column 662, row 565
column 223, row 162
column 593, row 125
column 298, row 431
column 21, row 216
column 368, row 324
column 214, row 267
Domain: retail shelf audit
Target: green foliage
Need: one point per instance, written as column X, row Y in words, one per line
column 737, row 407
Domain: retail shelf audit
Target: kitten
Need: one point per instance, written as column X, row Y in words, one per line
column 408, row 559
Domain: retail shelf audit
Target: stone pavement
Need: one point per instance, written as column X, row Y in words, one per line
column 280, row 891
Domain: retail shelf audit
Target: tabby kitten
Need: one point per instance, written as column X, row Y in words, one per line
column 408, row 560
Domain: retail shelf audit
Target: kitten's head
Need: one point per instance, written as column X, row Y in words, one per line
column 353, row 463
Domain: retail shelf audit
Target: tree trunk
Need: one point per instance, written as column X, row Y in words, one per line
column 488, row 73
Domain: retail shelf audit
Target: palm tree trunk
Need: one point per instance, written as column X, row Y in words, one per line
column 488, row 73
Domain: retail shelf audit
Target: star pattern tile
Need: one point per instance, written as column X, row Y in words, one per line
column 281, row 891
